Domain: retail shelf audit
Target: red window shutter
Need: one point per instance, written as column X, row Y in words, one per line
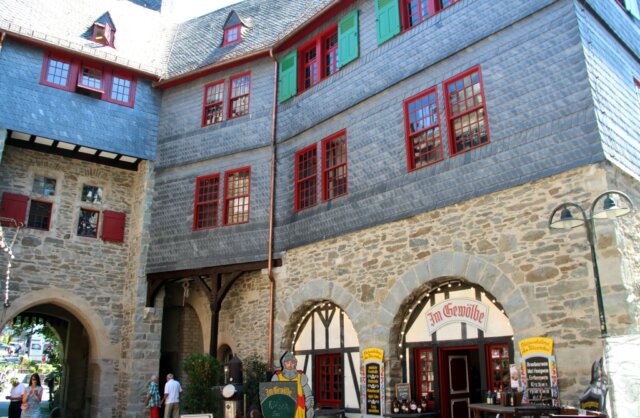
column 113, row 226
column 14, row 206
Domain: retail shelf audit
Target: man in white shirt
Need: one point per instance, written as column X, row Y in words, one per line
column 17, row 390
column 171, row 398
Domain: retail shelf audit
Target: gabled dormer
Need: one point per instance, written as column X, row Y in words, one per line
column 104, row 30
column 234, row 29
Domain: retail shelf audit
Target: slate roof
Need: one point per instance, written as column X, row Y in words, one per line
column 142, row 38
column 149, row 41
column 198, row 41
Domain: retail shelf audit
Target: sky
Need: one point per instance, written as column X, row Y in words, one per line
column 187, row 9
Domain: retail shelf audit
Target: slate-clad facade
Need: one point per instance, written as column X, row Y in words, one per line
column 270, row 183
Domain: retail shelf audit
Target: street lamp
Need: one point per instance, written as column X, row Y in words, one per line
column 614, row 205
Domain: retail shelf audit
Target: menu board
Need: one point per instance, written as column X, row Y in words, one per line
column 538, row 371
column 373, row 389
column 373, row 381
column 403, row 391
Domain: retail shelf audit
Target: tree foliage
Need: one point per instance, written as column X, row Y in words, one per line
column 255, row 371
column 203, row 372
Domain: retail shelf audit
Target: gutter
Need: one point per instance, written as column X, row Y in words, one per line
column 272, row 282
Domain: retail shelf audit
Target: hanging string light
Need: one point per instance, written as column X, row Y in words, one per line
column 7, row 248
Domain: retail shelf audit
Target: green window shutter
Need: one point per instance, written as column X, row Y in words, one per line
column 287, row 82
column 348, row 39
column 387, row 19
column 633, row 8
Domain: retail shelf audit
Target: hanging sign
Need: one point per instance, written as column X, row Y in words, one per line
column 373, row 381
column 449, row 311
column 538, row 371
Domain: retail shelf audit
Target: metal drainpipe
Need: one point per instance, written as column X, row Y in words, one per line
column 2, row 35
column 272, row 282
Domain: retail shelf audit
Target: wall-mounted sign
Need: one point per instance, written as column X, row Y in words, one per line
column 373, row 381
column 449, row 311
column 538, row 371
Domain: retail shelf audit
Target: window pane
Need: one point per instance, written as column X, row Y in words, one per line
column 58, row 72
column 39, row 215
column 207, row 198
column 88, row 223
column 120, row 89
column 91, row 194
column 237, row 197
column 91, row 78
column 239, row 103
column 44, row 186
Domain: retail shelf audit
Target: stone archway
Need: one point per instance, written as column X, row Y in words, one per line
column 88, row 354
column 471, row 268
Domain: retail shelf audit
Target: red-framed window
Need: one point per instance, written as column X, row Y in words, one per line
column 306, row 173
column 39, row 215
column 102, row 33
column 466, row 111
column 88, row 78
column 207, row 199
column 236, row 196
column 213, row 111
column 413, row 12
column 239, row 89
column 88, row 223
column 498, row 361
column 58, row 70
column 232, row 34
column 334, row 166
column 425, row 377
column 330, row 57
column 422, row 129
column 318, row 58
column 121, row 88
column 329, row 383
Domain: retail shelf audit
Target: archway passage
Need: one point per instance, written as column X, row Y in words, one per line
column 456, row 343
column 72, row 387
column 327, row 348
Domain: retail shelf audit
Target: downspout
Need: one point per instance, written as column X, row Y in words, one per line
column 2, row 36
column 272, row 282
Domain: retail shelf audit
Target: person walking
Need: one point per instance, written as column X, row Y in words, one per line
column 15, row 398
column 171, row 398
column 32, row 397
column 152, row 400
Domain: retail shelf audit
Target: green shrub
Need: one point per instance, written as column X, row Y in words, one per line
column 203, row 372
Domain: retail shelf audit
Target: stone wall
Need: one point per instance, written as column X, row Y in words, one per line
column 100, row 283
column 501, row 241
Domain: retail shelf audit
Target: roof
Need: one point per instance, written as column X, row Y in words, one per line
column 198, row 41
column 147, row 41
column 142, row 38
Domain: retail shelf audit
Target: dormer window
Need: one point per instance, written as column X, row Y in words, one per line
column 103, row 34
column 232, row 34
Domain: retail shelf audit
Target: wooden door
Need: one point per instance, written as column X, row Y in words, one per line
column 455, row 380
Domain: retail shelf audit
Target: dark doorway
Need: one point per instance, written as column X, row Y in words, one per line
column 459, row 380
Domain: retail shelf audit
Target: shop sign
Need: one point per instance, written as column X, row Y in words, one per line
column 373, row 381
column 451, row 311
column 538, row 371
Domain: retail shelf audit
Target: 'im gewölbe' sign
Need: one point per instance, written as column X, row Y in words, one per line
column 470, row 311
